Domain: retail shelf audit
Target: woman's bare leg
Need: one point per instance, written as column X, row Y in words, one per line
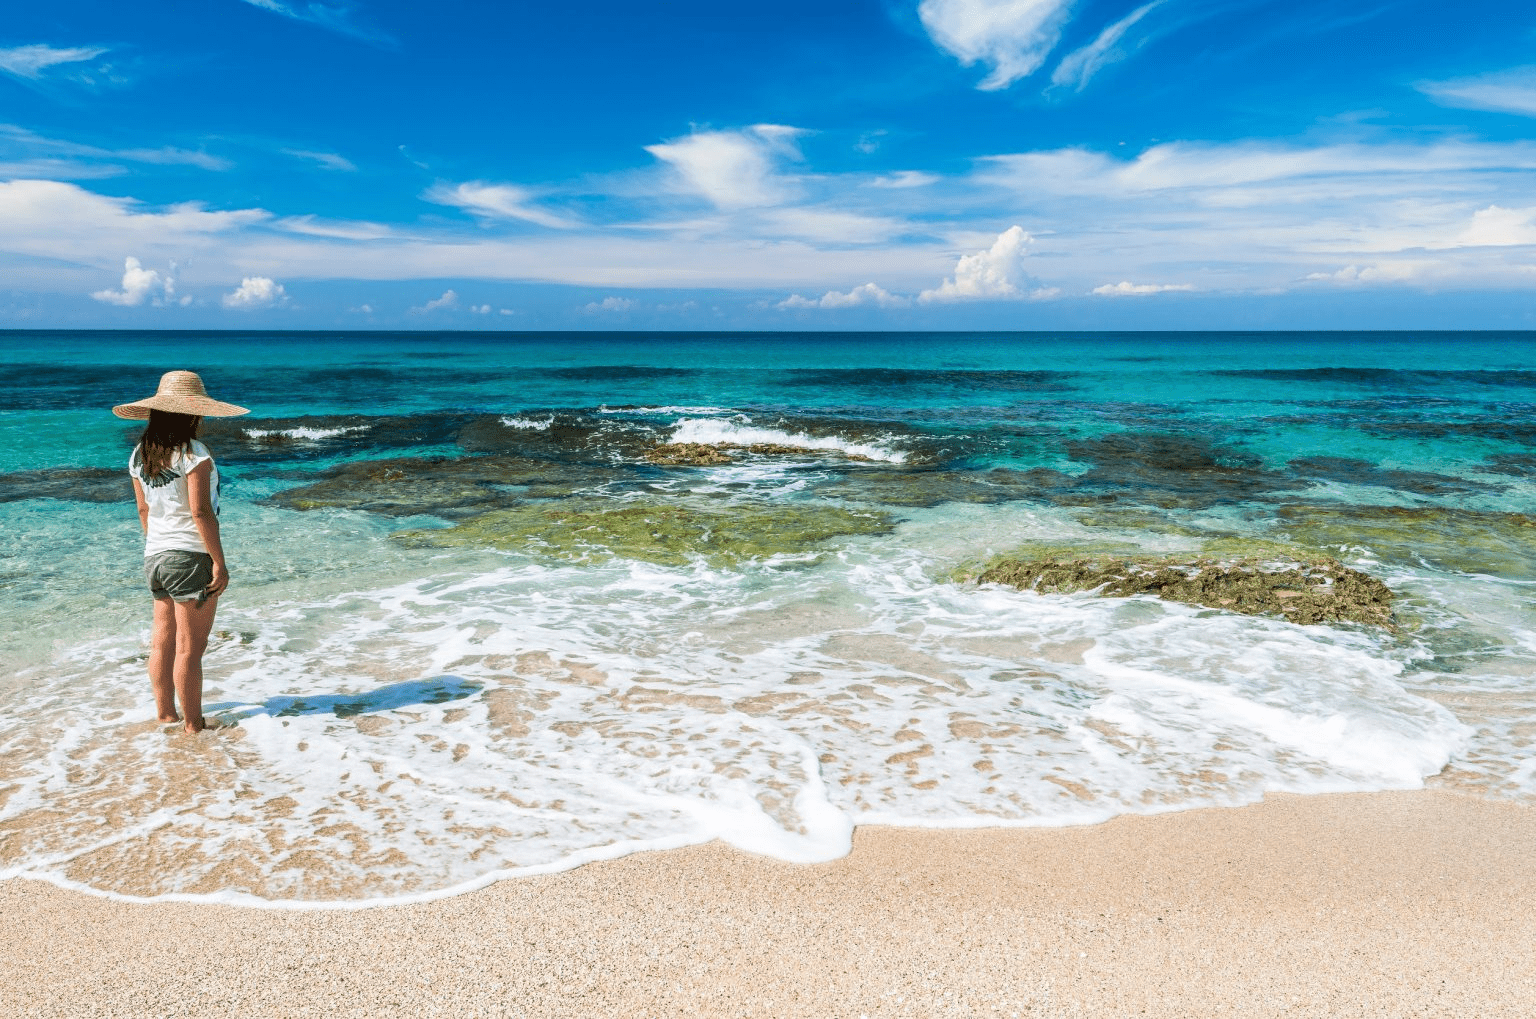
column 162, row 659
column 192, row 627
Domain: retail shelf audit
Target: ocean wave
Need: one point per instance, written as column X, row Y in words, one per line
column 427, row 737
column 741, row 432
column 304, row 433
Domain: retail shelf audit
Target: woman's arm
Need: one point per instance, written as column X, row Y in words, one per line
column 138, row 497
column 207, row 521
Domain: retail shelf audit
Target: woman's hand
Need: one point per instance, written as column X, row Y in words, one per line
column 220, row 581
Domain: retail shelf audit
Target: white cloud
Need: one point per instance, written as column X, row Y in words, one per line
column 1511, row 91
column 1013, row 36
column 362, row 309
column 447, row 302
column 32, row 61
column 905, row 179
column 609, row 304
column 1497, row 226
column 829, row 226
column 255, row 292
column 1386, row 272
column 494, row 201
column 480, row 309
column 1125, row 288
column 505, row 311
column 21, row 140
column 342, row 229
column 1079, row 66
column 139, row 285
column 734, row 169
column 996, row 272
column 868, row 294
column 328, row 160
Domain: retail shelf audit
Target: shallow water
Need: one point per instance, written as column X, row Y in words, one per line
column 474, row 633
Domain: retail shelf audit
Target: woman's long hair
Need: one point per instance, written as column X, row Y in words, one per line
column 165, row 435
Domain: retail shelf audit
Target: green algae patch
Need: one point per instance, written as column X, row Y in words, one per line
column 1465, row 541
column 1266, row 579
column 670, row 534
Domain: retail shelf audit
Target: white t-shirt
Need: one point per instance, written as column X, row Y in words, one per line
column 171, row 526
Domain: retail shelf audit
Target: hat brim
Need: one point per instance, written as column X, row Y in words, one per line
column 197, row 406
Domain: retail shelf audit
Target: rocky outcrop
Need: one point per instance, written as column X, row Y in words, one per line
column 1301, row 589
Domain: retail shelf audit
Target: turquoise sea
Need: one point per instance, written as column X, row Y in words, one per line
column 474, row 632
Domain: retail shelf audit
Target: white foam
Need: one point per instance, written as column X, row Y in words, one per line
column 531, row 717
column 740, row 431
column 532, row 424
column 304, row 432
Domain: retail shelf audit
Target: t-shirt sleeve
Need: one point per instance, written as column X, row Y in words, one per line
column 194, row 454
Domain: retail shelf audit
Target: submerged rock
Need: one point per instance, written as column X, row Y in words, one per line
column 1296, row 588
column 898, row 486
column 671, row 534
column 440, row 486
column 707, row 454
column 77, row 484
column 1466, row 541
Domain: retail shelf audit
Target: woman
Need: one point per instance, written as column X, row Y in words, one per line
column 176, row 486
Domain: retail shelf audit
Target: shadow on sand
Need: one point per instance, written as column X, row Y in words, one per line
column 436, row 690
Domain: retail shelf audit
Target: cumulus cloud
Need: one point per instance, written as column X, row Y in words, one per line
column 255, row 292
column 447, row 302
column 328, row 160
column 734, row 169
column 1125, row 288
column 1496, row 226
column 866, row 295
column 480, row 309
column 1012, row 36
column 609, row 304
column 140, row 285
column 31, row 61
column 494, row 201
column 1079, row 66
column 1386, row 272
column 997, row 272
column 1510, row 91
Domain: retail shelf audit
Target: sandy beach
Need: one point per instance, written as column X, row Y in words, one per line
column 1392, row 904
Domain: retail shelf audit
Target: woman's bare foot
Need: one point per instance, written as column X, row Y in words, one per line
column 196, row 727
column 164, row 720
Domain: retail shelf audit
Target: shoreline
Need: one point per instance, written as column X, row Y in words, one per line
column 1397, row 903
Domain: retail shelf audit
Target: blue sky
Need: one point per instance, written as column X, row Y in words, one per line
column 870, row 164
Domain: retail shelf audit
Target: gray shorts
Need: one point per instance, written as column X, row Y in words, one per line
column 179, row 575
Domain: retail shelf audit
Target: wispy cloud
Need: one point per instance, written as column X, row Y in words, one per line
column 31, row 61
column 341, row 18
column 1013, row 37
column 1509, row 91
column 328, row 160
column 21, row 142
column 495, row 201
column 1079, row 66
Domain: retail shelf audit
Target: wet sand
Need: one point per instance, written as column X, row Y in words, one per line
column 1390, row 904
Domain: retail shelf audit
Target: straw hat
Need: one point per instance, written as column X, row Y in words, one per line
column 179, row 393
